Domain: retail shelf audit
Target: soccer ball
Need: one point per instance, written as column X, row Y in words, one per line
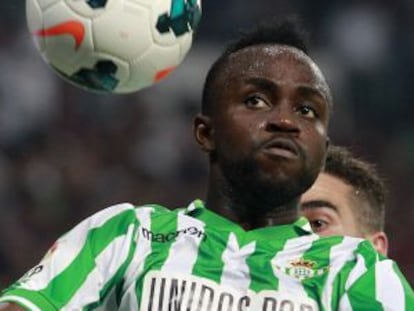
column 114, row 46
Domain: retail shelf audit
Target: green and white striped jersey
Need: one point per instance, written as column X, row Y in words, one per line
column 150, row 258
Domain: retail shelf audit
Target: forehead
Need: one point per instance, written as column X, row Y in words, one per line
column 329, row 188
column 280, row 63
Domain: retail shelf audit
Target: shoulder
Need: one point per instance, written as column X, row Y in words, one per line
column 127, row 211
column 120, row 217
column 118, row 212
column 124, row 214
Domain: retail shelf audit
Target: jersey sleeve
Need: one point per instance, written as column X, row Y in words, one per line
column 378, row 287
column 83, row 266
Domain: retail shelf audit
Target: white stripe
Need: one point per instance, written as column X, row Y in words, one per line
column 191, row 207
column 345, row 304
column 340, row 254
column 356, row 272
column 293, row 249
column 184, row 250
column 129, row 298
column 107, row 264
column 236, row 272
column 388, row 287
column 24, row 302
column 104, row 215
column 68, row 248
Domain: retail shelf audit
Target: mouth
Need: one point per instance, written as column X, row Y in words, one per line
column 281, row 148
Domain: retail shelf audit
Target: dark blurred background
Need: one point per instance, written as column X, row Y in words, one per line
column 66, row 153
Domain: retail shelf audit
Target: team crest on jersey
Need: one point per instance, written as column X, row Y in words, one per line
column 302, row 269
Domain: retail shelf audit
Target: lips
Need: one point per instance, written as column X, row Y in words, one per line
column 281, row 147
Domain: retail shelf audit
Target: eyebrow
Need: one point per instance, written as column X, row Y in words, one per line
column 311, row 91
column 318, row 204
column 262, row 83
column 304, row 90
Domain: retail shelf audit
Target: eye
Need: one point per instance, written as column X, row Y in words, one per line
column 307, row 111
column 256, row 102
column 318, row 225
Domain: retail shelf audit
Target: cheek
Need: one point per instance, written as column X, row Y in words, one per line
column 315, row 131
column 239, row 130
column 317, row 134
column 336, row 228
column 332, row 231
column 320, row 129
column 233, row 138
column 314, row 149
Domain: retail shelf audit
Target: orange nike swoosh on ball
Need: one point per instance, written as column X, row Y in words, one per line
column 74, row 28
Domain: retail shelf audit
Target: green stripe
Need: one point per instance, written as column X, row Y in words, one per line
column 408, row 291
column 362, row 293
column 65, row 285
column 319, row 255
column 117, row 280
column 162, row 223
column 264, row 278
column 340, row 282
column 34, row 297
column 209, row 263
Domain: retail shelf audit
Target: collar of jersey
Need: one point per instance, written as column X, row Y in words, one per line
column 300, row 227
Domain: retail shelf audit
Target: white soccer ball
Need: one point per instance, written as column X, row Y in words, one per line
column 115, row 46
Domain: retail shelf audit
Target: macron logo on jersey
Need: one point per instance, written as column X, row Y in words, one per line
column 170, row 236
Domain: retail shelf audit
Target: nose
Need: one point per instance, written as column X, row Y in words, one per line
column 282, row 121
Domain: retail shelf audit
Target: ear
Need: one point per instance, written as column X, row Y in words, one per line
column 203, row 132
column 380, row 242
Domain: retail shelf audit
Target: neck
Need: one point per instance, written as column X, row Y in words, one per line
column 250, row 217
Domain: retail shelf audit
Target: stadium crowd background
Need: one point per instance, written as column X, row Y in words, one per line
column 66, row 153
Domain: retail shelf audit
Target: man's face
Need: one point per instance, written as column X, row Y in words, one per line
column 269, row 123
column 328, row 207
